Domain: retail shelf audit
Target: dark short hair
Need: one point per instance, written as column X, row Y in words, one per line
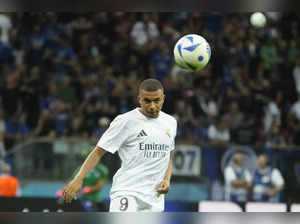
column 151, row 85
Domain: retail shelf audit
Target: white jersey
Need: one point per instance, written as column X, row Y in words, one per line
column 144, row 145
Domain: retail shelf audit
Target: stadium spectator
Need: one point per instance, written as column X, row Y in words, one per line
column 267, row 181
column 160, row 61
column 16, row 131
column 272, row 116
column 9, row 185
column 2, row 135
column 103, row 124
column 296, row 74
column 92, row 186
column 43, row 155
column 269, row 54
column 219, row 134
column 75, row 128
column 11, row 93
column 5, row 28
column 144, row 31
column 66, row 91
column 32, row 88
column 234, row 116
column 238, row 180
column 275, row 139
column 295, row 109
column 34, row 46
column 65, row 56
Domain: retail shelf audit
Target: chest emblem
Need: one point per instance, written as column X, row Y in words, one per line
column 168, row 132
column 142, row 134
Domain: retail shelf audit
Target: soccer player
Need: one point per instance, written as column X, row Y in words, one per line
column 144, row 138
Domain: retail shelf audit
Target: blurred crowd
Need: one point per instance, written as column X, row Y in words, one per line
column 68, row 75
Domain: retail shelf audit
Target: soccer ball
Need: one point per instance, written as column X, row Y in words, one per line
column 192, row 52
column 258, row 20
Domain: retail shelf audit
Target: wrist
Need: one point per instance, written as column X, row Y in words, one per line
column 167, row 179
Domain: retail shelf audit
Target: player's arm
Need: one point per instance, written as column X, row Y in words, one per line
column 241, row 183
column 277, row 181
column 164, row 185
column 247, row 183
column 74, row 186
column 275, row 190
column 231, row 179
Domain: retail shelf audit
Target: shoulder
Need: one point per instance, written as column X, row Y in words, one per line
column 169, row 118
column 212, row 129
column 247, row 172
column 275, row 171
column 125, row 118
column 228, row 171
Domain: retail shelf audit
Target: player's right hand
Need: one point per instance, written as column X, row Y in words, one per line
column 72, row 189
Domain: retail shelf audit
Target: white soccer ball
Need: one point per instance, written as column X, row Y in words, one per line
column 192, row 52
column 258, row 20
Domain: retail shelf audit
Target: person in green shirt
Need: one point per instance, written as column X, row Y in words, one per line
column 91, row 187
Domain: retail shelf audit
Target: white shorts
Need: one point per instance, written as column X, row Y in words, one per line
column 128, row 203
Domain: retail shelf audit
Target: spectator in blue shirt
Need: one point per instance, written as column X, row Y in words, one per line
column 15, row 131
column 161, row 61
column 65, row 55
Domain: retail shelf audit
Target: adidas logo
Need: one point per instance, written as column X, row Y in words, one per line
column 142, row 133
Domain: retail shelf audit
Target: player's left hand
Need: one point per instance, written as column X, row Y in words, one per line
column 163, row 187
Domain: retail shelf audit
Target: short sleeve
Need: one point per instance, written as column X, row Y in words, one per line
column 229, row 175
column 211, row 132
column 2, row 126
column 277, row 178
column 115, row 135
column 274, row 109
column 226, row 136
column 248, row 176
column 23, row 129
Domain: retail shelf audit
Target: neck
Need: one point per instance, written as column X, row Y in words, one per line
column 145, row 114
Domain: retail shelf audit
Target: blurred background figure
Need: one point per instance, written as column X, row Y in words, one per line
column 5, row 27
column 267, row 181
column 92, row 187
column 103, row 124
column 2, row 135
column 219, row 134
column 238, row 180
column 9, row 185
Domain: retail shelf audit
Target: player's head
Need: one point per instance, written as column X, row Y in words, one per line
column 223, row 123
column 151, row 97
column 239, row 158
column 5, row 168
column 262, row 161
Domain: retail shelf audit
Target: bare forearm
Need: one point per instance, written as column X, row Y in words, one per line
column 168, row 173
column 90, row 162
column 241, row 183
column 278, row 188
